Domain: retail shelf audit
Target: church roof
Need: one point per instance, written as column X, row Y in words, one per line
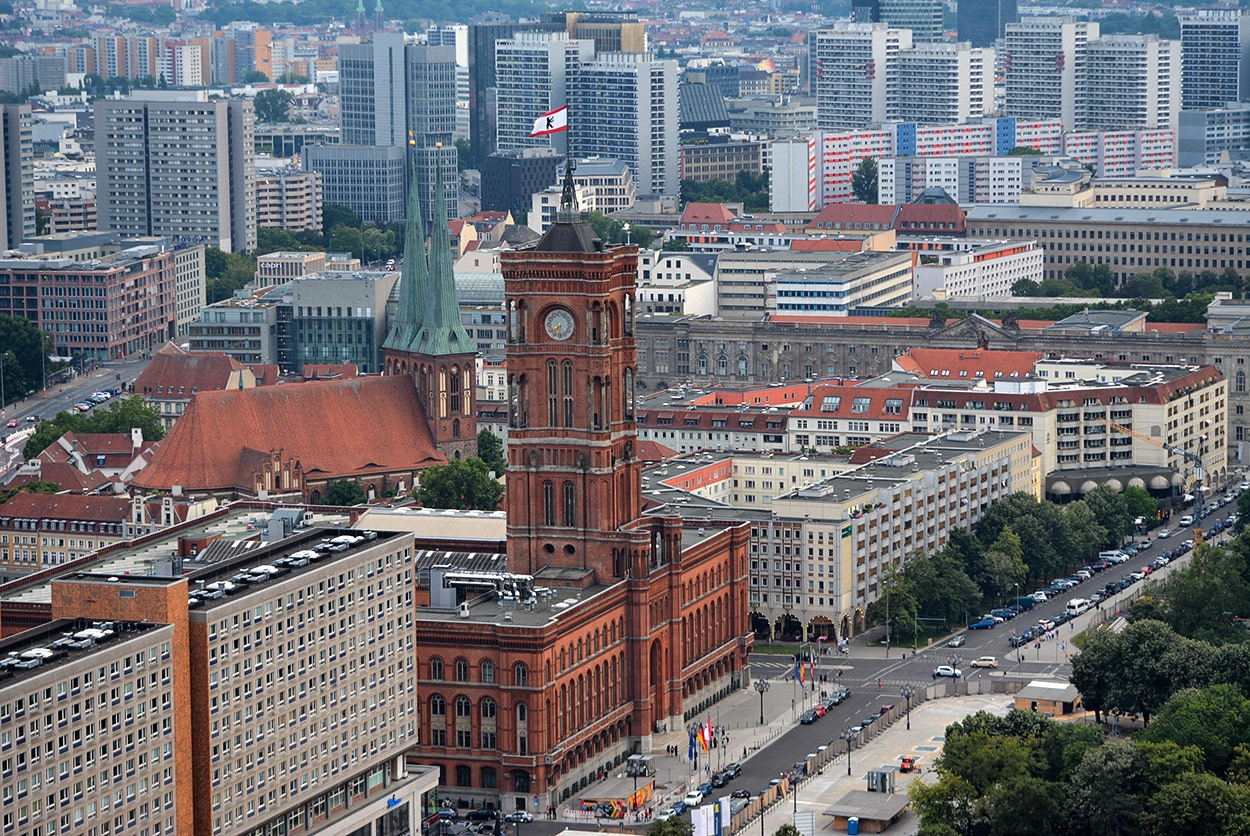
column 569, row 236
column 335, row 429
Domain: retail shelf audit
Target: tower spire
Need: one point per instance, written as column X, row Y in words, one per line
column 415, row 274
column 441, row 331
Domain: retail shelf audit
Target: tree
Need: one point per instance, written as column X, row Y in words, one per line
column 464, row 484
column 676, row 245
column 1026, row 287
column 1111, row 512
column 29, row 487
column 1003, row 567
column 273, row 105
column 1243, row 511
column 343, row 494
column 333, row 215
column 1215, row 720
column 254, row 77
column 675, row 826
column 124, row 415
column 346, row 239
column 490, row 451
column 24, row 356
column 864, row 181
column 1203, row 598
column 1103, row 797
column 464, row 154
column 1140, row 503
column 1024, row 151
column 787, row 829
column 612, row 231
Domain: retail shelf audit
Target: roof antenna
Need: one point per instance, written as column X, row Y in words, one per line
column 568, row 197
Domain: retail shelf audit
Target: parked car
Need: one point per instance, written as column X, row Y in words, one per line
column 808, row 717
column 740, row 794
column 958, row 641
column 984, row 662
column 982, row 624
column 484, row 814
column 1164, row 533
column 447, row 812
column 666, row 814
column 947, row 670
column 719, row 779
column 519, row 816
column 693, row 798
column 820, row 709
column 705, row 788
column 679, row 807
column 733, row 770
column 868, row 721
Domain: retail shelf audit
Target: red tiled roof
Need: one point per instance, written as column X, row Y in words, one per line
column 965, row 364
column 654, row 451
column 844, row 216
column 66, row 476
column 706, row 213
column 946, row 218
column 334, row 429
column 330, row 371
column 180, row 371
column 267, row 374
column 856, row 403
column 1175, row 327
column 64, row 506
column 827, row 245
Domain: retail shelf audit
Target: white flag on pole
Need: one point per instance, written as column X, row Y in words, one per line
column 552, row 122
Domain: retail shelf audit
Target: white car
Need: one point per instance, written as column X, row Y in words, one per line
column 1164, row 534
column 984, row 662
column 693, row 798
column 947, row 670
column 666, row 814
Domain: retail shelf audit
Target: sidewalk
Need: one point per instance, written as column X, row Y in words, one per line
column 924, row 741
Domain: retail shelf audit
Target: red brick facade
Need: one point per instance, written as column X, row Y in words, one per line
column 526, row 711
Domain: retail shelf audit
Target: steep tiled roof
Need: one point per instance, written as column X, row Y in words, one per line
column 706, row 213
column 66, row 507
column 942, row 218
column 965, row 364
column 334, row 429
column 66, row 476
column 859, row 403
column 181, row 372
column 654, row 451
column 853, row 216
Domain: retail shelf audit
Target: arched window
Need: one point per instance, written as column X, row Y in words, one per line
column 568, row 393
column 488, row 708
column 488, row 671
column 454, row 390
column 462, row 670
column 464, row 776
column 488, row 777
column 438, row 706
column 520, row 675
column 1239, row 383
column 462, row 706
column 570, row 507
column 522, row 713
column 455, row 431
column 549, row 503
column 742, row 367
column 436, row 668
column 553, row 396
column 521, row 781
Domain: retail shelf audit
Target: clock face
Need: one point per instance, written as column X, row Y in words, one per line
column 559, row 324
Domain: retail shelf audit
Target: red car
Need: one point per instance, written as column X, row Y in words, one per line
column 819, row 709
column 12, row 422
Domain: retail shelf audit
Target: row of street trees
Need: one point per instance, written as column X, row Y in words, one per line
column 1017, row 540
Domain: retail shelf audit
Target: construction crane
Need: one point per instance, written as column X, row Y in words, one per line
column 1199, row 470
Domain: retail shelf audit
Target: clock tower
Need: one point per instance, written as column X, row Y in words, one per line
column 574, row 478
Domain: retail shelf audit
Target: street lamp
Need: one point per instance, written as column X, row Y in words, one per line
column 907, row 691
column 761, row 685
column 847, row 736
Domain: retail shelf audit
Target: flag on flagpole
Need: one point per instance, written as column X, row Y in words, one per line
column 552, row 122
column 690, row 754
column 708, row 741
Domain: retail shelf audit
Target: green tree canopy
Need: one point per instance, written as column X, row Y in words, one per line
column 344, row 494
column 464, row 484
column 864, row 181
column 273, row 105
column 123, row 415
column 24, row 350
column 490, row 451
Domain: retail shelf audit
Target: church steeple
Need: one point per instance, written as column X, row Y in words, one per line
column 415, row 275
column 378, row 18
column 441, row 331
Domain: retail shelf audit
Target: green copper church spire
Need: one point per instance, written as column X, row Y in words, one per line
column 440, row 331
column 415, row 276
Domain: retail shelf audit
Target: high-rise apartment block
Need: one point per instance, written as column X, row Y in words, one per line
column 624, row 106
column 1130, row 82
column 174, row 163
column 983, row 22
column 853, row 66
column 21, row 71
column 534, row 72
column 1205, row 136
column 368, row 179
column 942, row 84
column 17, row 175
column 1044, row 63
column 1215, row 58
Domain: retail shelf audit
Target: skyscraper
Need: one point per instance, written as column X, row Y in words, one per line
column 982, row 22
column 1044, row 59
column 922, row 17
column 174, row 163
column 853, row 62
column 1215, row 58
column 17, row 175
column 624, row 106
column 533, row 74
column 1131, row 82
column 392, row 92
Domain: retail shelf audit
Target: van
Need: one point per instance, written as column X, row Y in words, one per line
column 1187, row 520
column 1076, row 606
column 1114, row 556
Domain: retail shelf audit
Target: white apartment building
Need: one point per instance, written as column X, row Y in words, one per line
column 533, row 73
column 676, row 284
column 623, row 106
column 600, row 185
column 794, row 185
column 942, row 84
column 856, row 67
column 979, row 179
column 1044, row 65
column 1215, row 64
column 1131, row 82
column 855, row 280
column 985, row 268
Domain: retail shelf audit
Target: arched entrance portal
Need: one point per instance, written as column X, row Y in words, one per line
column 759, row 624
column 788, row 628
column 820, row 629
column 658, row 708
